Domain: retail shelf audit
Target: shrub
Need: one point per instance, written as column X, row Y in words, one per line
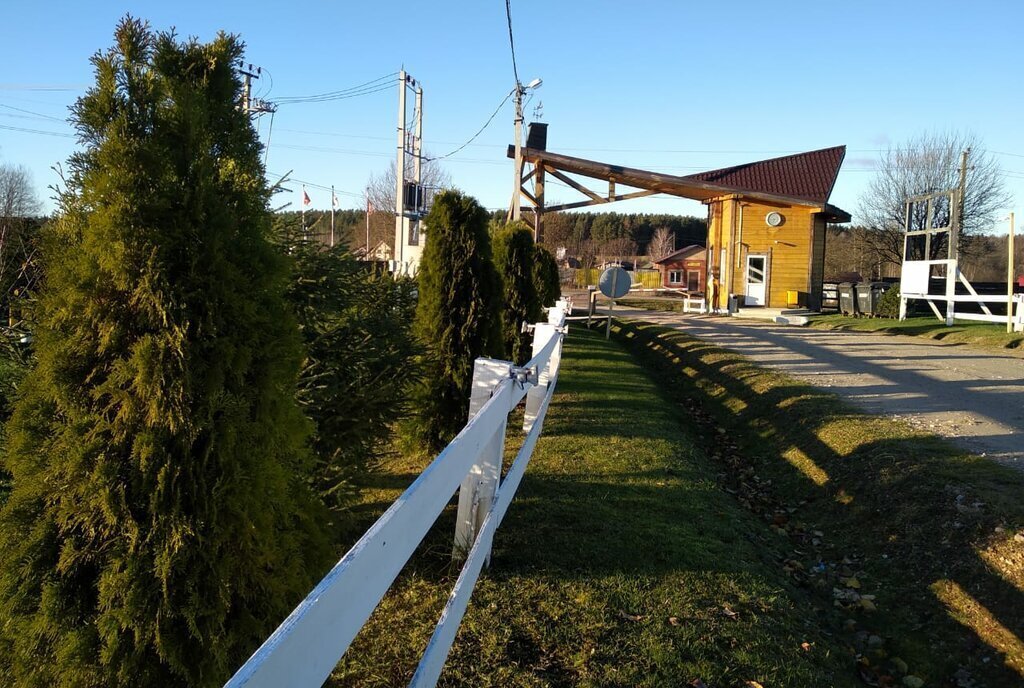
column 889, row 304
column 546, row 279
column 514, row 260
column 458, row 316
column 160, row 522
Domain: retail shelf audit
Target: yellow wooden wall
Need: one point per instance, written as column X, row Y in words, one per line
column 789, row 248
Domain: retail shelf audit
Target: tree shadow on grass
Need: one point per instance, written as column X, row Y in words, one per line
column 913, row 510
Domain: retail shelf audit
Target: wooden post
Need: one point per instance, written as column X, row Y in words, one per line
column 1009, row 278
column 538, row 190
column 480, row 486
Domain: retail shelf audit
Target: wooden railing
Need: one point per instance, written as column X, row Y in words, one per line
column 307, row 645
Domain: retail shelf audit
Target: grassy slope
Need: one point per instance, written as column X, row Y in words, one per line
column 980, row 334
column 923, row 527
column 621, row 563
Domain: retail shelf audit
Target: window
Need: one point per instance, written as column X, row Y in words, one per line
column 675, row 276
column 693, row 280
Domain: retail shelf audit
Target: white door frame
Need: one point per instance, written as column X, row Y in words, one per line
column 756, row 292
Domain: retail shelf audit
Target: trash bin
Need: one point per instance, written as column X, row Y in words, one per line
column 869, row 295
column 847, row 298
column 865, row 304
column 733, row 305
column 792, row 298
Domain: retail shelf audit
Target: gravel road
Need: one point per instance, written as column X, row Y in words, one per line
column 973, row 396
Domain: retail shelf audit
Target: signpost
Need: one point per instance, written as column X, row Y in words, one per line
column 613, row 283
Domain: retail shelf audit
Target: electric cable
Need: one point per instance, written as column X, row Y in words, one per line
column 480, row 131
column 508, row 15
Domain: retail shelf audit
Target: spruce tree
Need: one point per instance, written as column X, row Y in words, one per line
column 160, row 523
column 457, row 316
column 514, row 258
column 356, row 322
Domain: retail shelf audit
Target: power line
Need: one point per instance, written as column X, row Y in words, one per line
column 30, row 112
column 37, row 131
column 366, row 88
column 480, row 131
column 511, row 43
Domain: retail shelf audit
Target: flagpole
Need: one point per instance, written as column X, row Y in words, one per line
column 332, row 215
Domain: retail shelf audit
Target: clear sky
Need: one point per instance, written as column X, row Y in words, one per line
column 667, row 85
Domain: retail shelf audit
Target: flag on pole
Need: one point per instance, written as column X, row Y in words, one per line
column 305, row 196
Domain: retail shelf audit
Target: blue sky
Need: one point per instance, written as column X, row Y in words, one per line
column 672, row 86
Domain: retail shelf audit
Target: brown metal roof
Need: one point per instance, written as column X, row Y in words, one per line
column 807, row 176
column 685, row 251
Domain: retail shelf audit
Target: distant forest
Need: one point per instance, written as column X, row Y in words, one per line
column 611, row 233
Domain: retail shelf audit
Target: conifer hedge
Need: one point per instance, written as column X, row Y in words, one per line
column 160, row 523
column 458, row 315
column 545, row 277
column 514, row 260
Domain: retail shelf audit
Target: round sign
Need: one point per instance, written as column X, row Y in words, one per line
column 614, row 283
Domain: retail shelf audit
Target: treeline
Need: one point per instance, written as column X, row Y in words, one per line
column 868, row 251
column 629, row 233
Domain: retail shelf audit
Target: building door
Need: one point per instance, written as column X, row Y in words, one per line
column 755, row 294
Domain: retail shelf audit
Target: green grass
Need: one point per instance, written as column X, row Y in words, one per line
column 669, row 304
column 925, row 528
column 979, row 334
column 622, row 562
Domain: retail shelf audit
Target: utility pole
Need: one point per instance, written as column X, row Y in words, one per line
column 417, row 161
column 517, row 178
column 400, row 175
column 333, row 204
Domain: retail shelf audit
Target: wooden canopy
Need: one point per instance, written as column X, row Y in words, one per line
column 788, row 172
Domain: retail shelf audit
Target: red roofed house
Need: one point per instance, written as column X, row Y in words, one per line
column 766, row 239
column 685, row 269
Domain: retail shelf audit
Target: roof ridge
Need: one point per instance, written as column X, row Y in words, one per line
column 810, row 175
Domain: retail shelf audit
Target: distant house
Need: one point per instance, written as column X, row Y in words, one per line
column 684, row 269
column 380, row 252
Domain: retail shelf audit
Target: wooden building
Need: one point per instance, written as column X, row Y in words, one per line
column 772, row 252
column 766, row 219
column 685, row 269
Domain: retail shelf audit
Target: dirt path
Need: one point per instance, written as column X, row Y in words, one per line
column 973, row 396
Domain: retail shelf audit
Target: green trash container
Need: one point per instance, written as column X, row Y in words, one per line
column 865, row 302
column 847, row 298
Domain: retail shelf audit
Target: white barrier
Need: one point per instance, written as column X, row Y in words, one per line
column 307, row 645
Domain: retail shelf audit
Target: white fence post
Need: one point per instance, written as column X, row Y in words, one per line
column 481, row 484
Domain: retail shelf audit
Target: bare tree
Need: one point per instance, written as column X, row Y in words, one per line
column 380, row 188
column 18, row 246
column 663, row 242
column 617, row 249
column 928, row 163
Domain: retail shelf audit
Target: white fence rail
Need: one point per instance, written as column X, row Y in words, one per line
column 306, row 647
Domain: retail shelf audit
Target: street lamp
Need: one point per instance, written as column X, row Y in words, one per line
column 520, row 90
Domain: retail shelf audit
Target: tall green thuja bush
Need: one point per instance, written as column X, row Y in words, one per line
column 545, row 277
column 514, row 258
column 458, row 315
column 160, row 523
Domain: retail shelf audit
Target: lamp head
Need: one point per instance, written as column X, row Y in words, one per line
column 535, row 83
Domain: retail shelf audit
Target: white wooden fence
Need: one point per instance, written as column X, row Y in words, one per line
column 307, row 645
